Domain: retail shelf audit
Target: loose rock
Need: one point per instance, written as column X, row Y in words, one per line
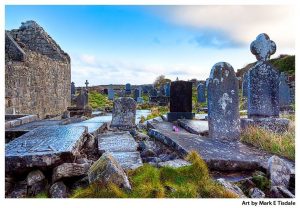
column 58, row 190
column 231, row 187
column 67, row 170
column 256, row 193
column 278, row 171
column 174, row 163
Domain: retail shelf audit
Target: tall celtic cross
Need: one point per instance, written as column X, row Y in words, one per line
column 263, row 47
column 86, row 84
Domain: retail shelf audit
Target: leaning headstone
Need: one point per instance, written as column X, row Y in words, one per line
column 124, row 112
column 111, row 93
column 263, row 86
column 82, row 99
column 128, row 88
column 201, row 93
column 73, row 89
column 167, row 89
column 284, row 92
column 180, row 101
column 245, row 84
column 223, row 102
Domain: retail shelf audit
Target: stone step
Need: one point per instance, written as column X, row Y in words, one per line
column 122, row 146
column 44, row 147
column 219, row 154
column 198, row 127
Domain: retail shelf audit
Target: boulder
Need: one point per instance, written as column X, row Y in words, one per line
column 278, row 171
column 67, row 170
column 148, row 153
column 58, row 190
column 34, row 177
column 107, row 170
column 231, row 187
column 177, row 163
column 256, row 193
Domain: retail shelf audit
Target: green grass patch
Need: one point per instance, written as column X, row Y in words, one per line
column 157, row 111
column 99, row 101
column 147, row 181
column 41, row 195
column 282, row 144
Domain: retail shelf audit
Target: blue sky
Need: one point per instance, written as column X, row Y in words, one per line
column 135, row 44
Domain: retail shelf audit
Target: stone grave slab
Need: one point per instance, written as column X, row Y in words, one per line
column 116, row 142
column 201, row 116
column 44, row 147
column 128, row 160
column 122, row 146
column 219, row 154
column 198, row 127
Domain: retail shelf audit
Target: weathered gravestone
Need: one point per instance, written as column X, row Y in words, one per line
column 82, row 99
column 263, row 89
column 137, row 93
column 128, row 88
column 223, row 102
column 86, row 84
column 180, row 101
column 201, row 93
column 153, row 92
column 73, row 89
column 123, row 113
column 263, row 86
column 284, row 92
column 111, row 93
column 245, row 84
column 167, row 89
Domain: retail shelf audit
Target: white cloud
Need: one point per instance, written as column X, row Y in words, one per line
column 241, row 23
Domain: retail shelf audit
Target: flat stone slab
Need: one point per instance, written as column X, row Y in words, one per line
column 201, row 116
column 177, row 163
column 128, row 160
column 116, row 142
column 35, row 124
column 223, row 155
column 123, row 147
column 99, row 119
column 44, row 147
column 198, row 127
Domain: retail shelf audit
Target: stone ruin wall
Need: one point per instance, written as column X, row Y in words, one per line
column 37, row 73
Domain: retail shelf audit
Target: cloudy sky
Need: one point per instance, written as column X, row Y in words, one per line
column 135, row 44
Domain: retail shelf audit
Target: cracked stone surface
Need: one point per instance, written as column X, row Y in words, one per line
column 44, row 147
column 122, row 146
column 220, row 154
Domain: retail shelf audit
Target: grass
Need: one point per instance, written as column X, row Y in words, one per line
column 147, row 181
column 99, row 101
column 157, row 111
column 41, row 195
column 282, row 144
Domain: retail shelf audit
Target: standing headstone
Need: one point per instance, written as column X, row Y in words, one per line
column 284, row 92
column 128, row 88
column 223, row 102
column 105, row 91
column 153, row 92
column 201, row 93
column 82, row 99
column 263, row 86
column 245, row 84
column 180, row 101
column 136, row 94
column 123, row 113
column 73, row 89
column 111, row 93
column 167, row 89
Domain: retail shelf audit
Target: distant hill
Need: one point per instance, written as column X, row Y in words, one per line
column 284, row 63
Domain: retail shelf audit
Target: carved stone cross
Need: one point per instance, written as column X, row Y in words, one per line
column 263, row 47
column 86, row 84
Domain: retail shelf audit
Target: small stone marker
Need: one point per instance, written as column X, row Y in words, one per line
column 201, row 93
column 111, row 93
column 263, row 86
column 223, row 102
column 284, row 91
column 167, row 89
column 128, row 88
column 73, row 89
column 180, row 101
column 245, row 84
column 82, row 99
column 124, row 112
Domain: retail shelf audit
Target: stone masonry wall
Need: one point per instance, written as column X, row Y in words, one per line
column 39, row 82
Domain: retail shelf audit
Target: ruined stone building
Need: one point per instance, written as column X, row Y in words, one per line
column 37, row 72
